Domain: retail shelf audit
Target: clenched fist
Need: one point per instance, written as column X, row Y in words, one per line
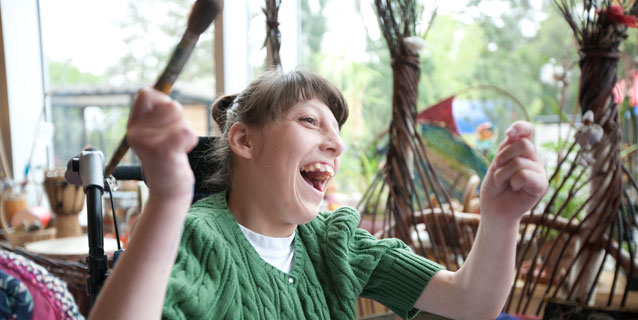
column 161, row 138
column 515, row 180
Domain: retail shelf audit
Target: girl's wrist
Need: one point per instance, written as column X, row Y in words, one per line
column 172, row 201
column 500, row 221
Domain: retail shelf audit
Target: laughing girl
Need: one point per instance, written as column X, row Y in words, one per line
column 260, row 249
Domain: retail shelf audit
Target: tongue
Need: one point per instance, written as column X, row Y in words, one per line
column 316, row 175
column 316, row 179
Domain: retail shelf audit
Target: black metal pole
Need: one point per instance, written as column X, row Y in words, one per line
column 91, row 168
column 97, row 260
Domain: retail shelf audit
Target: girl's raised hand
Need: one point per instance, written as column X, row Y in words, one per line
column 515, row 180
column 161, row 137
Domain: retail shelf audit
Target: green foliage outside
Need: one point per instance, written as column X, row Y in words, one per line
column 570, row 188
column 147, row 57
column 63, row 73
column 565, row 183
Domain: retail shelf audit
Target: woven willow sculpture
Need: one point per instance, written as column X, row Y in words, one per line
column 273, row 35
column 406, row 192
column 569, row 249
column 562, row 250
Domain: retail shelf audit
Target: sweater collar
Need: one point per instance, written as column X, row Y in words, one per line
column 230, row 228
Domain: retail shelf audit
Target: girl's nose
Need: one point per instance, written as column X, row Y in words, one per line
column 332, row 142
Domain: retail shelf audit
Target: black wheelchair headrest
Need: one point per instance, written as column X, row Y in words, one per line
column 197, row 159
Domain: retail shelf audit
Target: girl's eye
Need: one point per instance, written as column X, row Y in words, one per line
column 309, row 120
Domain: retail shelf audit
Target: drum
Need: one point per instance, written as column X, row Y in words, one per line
column 66, row 202
column 69, row 248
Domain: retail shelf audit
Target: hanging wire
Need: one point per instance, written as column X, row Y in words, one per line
column 117, row 233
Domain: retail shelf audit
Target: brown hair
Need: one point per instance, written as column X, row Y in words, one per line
column 263, row 101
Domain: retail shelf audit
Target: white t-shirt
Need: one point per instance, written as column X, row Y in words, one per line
column 276, row 251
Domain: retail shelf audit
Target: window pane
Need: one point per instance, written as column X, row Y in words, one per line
column 99, row 53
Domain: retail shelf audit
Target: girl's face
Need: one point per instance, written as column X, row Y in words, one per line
column 297, row 156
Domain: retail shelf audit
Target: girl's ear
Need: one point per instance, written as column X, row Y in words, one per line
column 239, row 140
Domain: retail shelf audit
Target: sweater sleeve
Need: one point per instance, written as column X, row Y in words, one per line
column 399, row 278
column 193, row 282
column 385, row 270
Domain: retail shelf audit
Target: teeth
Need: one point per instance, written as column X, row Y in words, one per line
column 318, row 167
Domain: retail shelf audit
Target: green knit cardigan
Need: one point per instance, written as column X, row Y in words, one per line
column 219, row 275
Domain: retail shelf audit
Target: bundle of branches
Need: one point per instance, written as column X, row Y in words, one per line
column 589, row 214
column 406, row 192
column 273, row 36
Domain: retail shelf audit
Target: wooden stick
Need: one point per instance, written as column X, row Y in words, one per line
column 3, row 160
column 201, row 16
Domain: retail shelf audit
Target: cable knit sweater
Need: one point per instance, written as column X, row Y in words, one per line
column 219, row 275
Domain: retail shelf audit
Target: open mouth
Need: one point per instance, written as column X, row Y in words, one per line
column 317, row 175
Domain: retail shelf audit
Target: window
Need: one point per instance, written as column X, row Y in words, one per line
column 98, row 55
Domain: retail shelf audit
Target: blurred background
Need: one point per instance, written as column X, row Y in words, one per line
column 73, row 67
column 69, row 70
